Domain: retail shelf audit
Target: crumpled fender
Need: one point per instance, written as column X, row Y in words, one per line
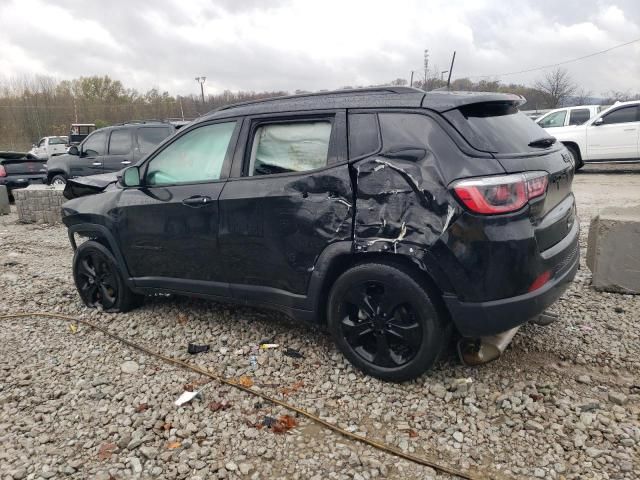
column 82, row 186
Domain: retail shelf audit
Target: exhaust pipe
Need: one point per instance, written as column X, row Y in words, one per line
column 478, row 351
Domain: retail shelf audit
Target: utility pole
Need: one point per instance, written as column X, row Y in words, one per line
column 453, row 59
column 201, row 80
column 411, row 82
column 426, row 66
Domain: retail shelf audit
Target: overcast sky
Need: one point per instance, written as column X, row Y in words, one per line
column 303, row 44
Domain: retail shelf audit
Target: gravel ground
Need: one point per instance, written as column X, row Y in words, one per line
column 562, row 403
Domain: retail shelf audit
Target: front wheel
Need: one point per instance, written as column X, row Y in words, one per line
column 99, row 281
column 385, row 322
column 58, row 180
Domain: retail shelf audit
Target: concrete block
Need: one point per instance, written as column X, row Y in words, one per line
column 39, row 204
column 613, row 251
column 5, row 208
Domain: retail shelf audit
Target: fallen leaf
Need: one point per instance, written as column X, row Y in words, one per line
column 293, row 388
column 173, row 445
column 413, row 433
column 142, row 407
column 245, row 381
column 182, row 318
column 284, row 424
column 215, row 406
column 73, row 328
column 105, row 451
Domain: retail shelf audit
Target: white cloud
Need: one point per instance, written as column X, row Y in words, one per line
column 289, row 44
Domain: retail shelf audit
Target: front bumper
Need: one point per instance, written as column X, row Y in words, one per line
column 478, row 319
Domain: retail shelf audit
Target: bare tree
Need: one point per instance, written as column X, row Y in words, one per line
column 557, row 86
column 582, row 96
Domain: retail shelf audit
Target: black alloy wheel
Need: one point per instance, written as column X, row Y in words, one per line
column 385, row 320
column 379, row 324
column 98, row 279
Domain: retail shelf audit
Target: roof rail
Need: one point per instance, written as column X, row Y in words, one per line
column 135, row 122
column 345, row 91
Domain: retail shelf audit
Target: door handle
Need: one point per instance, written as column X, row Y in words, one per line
column 125, row 162
column 629, row 129
column 97, row 164
column 197, row 201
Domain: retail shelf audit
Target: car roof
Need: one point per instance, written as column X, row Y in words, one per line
column 378, row 97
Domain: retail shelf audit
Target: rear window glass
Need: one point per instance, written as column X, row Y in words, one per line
column 149, row 137
column 579, row 116
column 496, row 127
column 57, row 140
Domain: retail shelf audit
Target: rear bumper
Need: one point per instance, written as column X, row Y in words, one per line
column 15, row 182
column 477, row 319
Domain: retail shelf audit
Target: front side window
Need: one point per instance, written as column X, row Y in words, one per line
column 555, row 119
column 290, row 147
column 149, row 137
column 196, row 156
column 622, row 115
column 94, row 145
column 579, row 116
column 120, row 142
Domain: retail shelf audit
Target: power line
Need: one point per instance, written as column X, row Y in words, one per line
column 551, row 65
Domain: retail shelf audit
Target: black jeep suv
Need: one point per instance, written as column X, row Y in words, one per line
column 389, row 216
column 109, row 149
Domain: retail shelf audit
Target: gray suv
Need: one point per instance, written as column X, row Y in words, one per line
column 108, row 150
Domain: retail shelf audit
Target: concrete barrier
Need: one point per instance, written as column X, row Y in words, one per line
column 613, row 252
column 5, row 208
column 39, row 203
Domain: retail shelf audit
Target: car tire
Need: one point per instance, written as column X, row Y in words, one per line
column 99, row 281
column 575, row 154
column 376, row 306
column 58, row 180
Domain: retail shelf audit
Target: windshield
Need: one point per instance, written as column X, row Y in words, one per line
column 496, row 127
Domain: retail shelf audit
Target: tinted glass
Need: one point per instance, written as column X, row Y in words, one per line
column 95, row 144
column 363, row 134
column 120, row 142
column 149, row 137
column 290, row 147
column 57, row 140
column 496, row 127
column 197, row 156
column 579, row 116
column 553, row 120
column 622, row 115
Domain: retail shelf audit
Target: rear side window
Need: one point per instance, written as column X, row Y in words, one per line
column 622, row 115
column 120, row 142
column 290, row 147
column 496, row 127
column 555, row 119
column 579, row 116
column 363, row 134
column 149, row 137
column 57, row 140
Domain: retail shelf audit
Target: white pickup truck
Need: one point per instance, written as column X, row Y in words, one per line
column 47, row 147
column 611, row 136
column 567, row 116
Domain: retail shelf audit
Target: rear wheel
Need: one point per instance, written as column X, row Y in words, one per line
column 58, row 180
column 99, row 281
column 384, row 321
column 575, row 156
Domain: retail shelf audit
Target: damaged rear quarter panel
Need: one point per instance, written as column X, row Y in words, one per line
column 403, row 205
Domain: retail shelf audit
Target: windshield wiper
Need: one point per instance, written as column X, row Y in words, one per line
column 544, row 142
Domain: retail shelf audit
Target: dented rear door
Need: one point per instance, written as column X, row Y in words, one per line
column 291, row 197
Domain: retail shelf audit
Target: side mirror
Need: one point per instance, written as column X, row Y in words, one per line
column 73, row 150
column 598, row 121
column 130, row 177
column 33, row 145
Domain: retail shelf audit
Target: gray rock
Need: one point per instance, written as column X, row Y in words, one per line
column 231, row 466
column 148, row 452
column 618, row 398
column 136, row 465
column 244, row 468
column 129, row 367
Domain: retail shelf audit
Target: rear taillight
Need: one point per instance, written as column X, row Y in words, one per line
column 500, row 194
column 3, row 172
